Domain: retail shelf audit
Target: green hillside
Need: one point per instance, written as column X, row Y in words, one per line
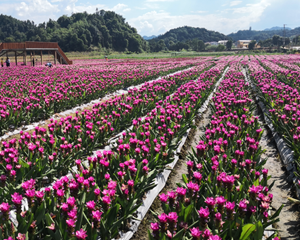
column 79, row 32
column 185, row 37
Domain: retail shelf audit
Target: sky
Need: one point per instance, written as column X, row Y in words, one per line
column 154, row 17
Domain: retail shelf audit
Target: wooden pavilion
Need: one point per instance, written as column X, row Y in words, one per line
column 34, row 48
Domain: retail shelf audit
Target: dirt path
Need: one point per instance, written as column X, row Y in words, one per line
column 289, row 224
column 175, row 176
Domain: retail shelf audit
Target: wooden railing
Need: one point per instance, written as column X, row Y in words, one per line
column 22, row 46
column 64, row 56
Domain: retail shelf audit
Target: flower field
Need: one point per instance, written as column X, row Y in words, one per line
column 84, row 176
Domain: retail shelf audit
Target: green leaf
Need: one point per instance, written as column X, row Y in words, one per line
column 247, row 230
column 276, row 214
column 185, row 179
column 259, row 230
column 256, row 183
column 49, row 220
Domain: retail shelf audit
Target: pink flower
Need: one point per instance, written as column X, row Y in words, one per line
column 72, row 214
column 230, row 206
column 112, row 185
column 39, row 194
column 210, row 201
column 163, row 198
column 71, row 222
column 71, row 201
column 65, row 207
column 196, row 233
column 214, row 237
column 106, row 200
column 21, row 236
column 91, row 205
column 17, row 198
column 97, row 191
column 4, row 207
column 9, row 238
column 97, row 215
column 181, row 191
column 81, row 234
column 154, row 227
column 203, row 213
column 163, row 218
column 30, row 193
column 130, row 183
column 172, row 217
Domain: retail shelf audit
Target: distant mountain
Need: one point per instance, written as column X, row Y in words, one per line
column 276, row 28
column 186, row 33
column 262, row 35
column 149, row 38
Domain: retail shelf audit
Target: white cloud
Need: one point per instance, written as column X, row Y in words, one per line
column 141, row 8
column 199, row 12
column 119, row 7
column 35, row 10
column 224, row 21
column 234, row 3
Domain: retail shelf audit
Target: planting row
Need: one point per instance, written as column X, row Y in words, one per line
column 51, row 153
column 225, row 194
column 103, row 195
column 31, row 94
column 282, row 102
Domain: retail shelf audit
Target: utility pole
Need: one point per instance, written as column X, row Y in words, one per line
column 284, row 35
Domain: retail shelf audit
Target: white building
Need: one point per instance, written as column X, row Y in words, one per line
column 212, row 43
column 222, row 42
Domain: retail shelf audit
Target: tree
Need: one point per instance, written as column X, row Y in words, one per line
column 229, row 44
column 275, row 40
column 251, row 45
column 220, row 48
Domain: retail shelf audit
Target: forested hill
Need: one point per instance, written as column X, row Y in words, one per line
column 182, row 34
column 79, row 32
column 262, row 35
column 185, row 38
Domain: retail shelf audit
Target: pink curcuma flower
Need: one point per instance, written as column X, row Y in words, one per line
column 9, row 238
column 21, row 236
column 181, row 191
column 91, row 205
column 230, row 206
column 163, row 198
column 81, row 234
column 97, row 215
column 17, row 198
column 4, row 207
column 210, row 201
column 196, row 233
column 30, row 193
column 71, row 222
column 214, row 237
column 163, row 218
column 65, row 207
column 203, row 213
column 154, row 227
column 106, row 200
column 190, row 164
column 172, row 217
